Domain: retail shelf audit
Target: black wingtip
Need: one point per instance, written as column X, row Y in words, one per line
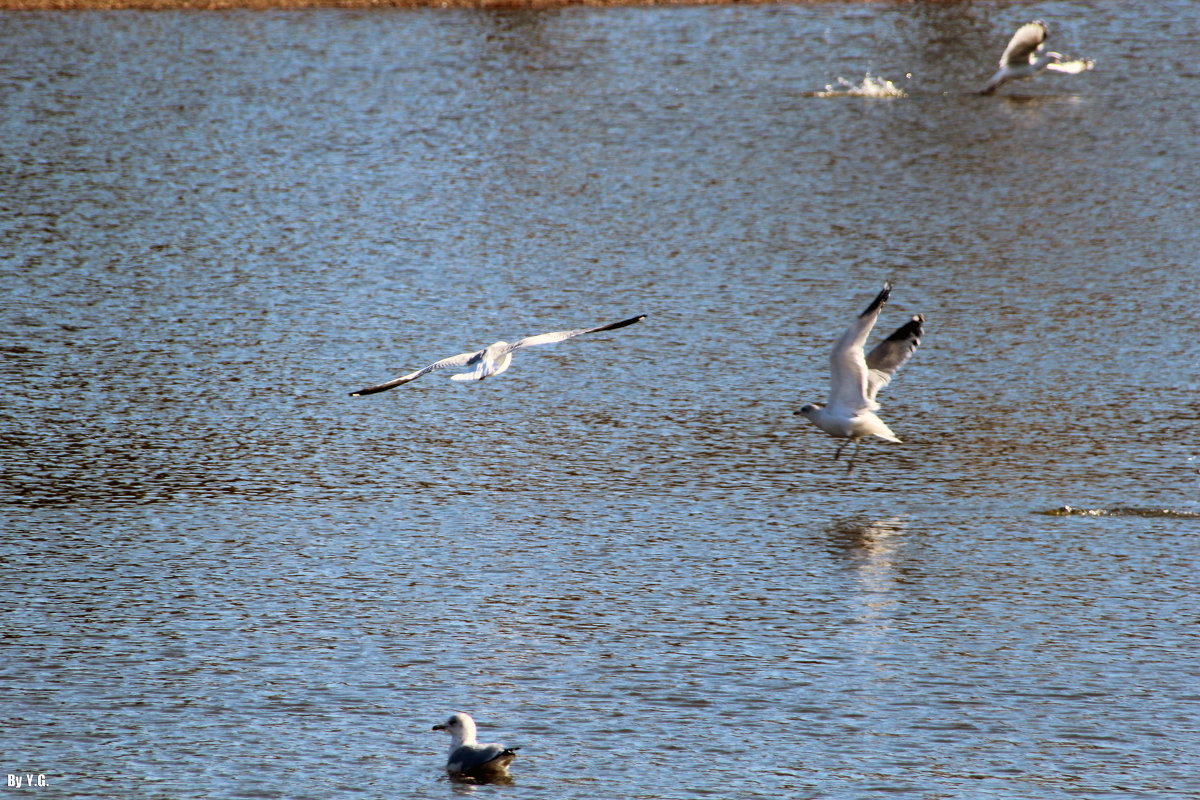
column 909, row 329
column 622, row 323
column 879, row 300
column 372, row 390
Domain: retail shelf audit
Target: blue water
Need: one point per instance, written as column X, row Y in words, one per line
column 224, row 577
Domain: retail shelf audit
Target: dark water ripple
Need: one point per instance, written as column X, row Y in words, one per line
column 1121, row 511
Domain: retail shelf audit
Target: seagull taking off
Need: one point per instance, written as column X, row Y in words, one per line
column 850, row 413
column 493, row 359
column 1024, row 57
column 468, row 757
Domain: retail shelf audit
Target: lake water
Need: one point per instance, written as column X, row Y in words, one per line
column 224, row 577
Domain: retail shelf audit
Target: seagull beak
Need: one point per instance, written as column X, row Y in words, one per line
column 438, row 727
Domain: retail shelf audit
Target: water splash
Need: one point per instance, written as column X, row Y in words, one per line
column 871, row 86
column 1072, row 67
column 1120, row 511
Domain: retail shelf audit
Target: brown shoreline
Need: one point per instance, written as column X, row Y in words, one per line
column 226, row 5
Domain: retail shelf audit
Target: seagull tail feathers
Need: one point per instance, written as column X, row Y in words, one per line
column 885, row 433
column 877, row 427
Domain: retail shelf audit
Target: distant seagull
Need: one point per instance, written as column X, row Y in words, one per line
column 468, row 757
column 493, row 359
column 1024, row 57
column 850, row 413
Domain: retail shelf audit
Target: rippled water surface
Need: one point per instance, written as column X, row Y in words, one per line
column 224, row 577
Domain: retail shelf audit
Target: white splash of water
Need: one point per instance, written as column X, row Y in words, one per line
column 870, row 87
column 1072, row 67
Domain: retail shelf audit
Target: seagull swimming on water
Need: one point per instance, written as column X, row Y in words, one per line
column 470, row 758
column 1024, row 57
column 493, row 359
column 850, row 413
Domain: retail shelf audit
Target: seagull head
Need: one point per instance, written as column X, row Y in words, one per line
column 809, row 409
column 460, row 727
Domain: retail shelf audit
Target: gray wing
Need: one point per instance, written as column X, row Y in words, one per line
column 460, row 360
column 562, row 336
column 890, row 354
column 467, row 757
column 1024, row 44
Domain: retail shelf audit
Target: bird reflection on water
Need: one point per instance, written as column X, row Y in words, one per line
column 872, row 547
column 468, row 784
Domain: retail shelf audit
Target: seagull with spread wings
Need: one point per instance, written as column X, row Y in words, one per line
column 1024, row 57
column 493, row 359
column 857, row 379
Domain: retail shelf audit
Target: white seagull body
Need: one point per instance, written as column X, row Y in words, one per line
column 470, row 758
column 493, row 359
column 857, row 379
column 1024, row 57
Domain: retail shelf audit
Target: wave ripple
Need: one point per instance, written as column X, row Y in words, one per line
column 1121, row 511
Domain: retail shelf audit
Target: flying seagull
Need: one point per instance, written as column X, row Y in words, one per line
column 493, row 359
column 468, row 757
column 1024, row 57
column 850, row 413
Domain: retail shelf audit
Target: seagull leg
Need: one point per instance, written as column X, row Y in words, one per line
column 841, row 447
column 850, row 466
